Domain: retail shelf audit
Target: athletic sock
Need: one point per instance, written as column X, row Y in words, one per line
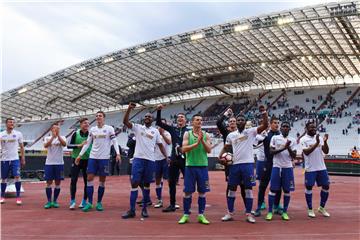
column 18, row 188
column 133, row 197
column 202, row 203
column 248, row 200
column 231, row 200
column 271, row 199
column 3, row 189
column 146, row 196
column 308, row 197
column 56, row 193
column 101, row 190
column 187, row 204
column 48, row 191
column 324, row 194
column 90, row 191
column 158, row 191
column 286, row 201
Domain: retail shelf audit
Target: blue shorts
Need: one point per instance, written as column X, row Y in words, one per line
column 54, row 172
column 259, row 169
column 196, row 176
column 242, row 173
column 321, row 178
column 161, row 169
column 282, row 178
column 98, row 167
column 14, row 165
column 142, row 171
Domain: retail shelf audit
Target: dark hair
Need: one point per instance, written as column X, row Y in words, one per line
column 83, row 120
column 308, row 124
column 273, row 118
column 55, row 124
column 195, row 115
column 285, row 122
column 181, row 113
column 242, row 116
column 9, row 119
column 101, row 113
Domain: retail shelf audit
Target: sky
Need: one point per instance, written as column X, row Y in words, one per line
column 41, row 37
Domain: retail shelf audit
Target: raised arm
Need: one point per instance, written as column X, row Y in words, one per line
column 62, row 141
column 126, row 120
column 308, row 151
column 265, row 120
column 325, row 147
column 158, row 119
column 186, row 147
column 48, row 143
column 220, row 125
column 207, row 144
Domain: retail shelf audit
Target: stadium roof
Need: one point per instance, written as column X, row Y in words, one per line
column 311, row 46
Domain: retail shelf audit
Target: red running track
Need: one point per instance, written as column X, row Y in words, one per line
column 31, row 221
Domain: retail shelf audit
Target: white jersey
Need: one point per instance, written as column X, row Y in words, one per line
column 146, row 140
column 10, row 145
column 101, row 139
column 158, row 154
column 259, row 149
column 242, row 145
column 55, row 152
column 282, row 159
column 315, row 160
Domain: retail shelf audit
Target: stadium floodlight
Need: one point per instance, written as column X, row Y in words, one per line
column 263, row 64
column 193, row 74
column 196, row 36
column 310, row 58
column 108, row 59
column 230, row 68
column 141, row 50
column 302, row 58
column 241, row 27
column 285, row 20
column 22, row 90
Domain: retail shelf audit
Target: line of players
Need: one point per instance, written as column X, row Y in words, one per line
column 91, row 153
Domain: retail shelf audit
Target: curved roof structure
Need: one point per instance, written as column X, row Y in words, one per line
column 316, row 45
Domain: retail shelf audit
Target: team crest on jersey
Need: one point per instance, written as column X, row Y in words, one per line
column 104, row 131
column 152, row 132
column 14, row 136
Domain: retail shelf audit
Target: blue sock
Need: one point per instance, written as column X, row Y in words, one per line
column 324, row 194
column 101, row 190
column 158, row 191
column 248, row 200
column 231, row 200
column 271, row 200
column 146, row 196
column 202, row 204
column 48, row 191
column 56, row 193
column 18, row 187
column 187, row 204
column 286, row 201
column 3, row 188
column 133, row 197
column 308, row 197
column 90, row 192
